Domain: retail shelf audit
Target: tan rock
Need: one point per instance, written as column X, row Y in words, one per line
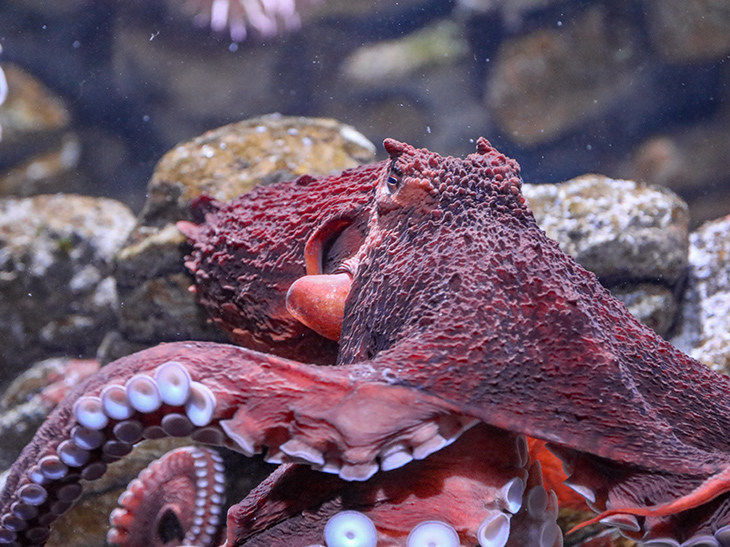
column 30, row 108
column 551, row 80
column 227, row 162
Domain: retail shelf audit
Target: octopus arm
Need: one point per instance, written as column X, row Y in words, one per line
column 221, row 395
column 651, row 505
column 518, row 335
column 648, row 479
column 486, row 497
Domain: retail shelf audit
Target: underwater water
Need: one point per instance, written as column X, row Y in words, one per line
column 634, row 89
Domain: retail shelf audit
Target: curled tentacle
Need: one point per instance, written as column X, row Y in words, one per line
column 176, row 500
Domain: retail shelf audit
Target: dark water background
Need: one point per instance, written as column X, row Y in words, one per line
column 627, row 88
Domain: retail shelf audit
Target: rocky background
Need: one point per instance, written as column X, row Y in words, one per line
column 634, row 89
column 113, row 99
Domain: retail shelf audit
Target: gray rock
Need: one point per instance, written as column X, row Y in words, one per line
column 619, row 229
column 57, row 292
column 654, row 305
column 706, row 312
column 632, row 236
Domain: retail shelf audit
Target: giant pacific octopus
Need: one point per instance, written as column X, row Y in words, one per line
column 454, row 328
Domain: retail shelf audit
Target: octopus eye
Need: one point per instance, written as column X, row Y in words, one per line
column 393, row 182
column 394, row 178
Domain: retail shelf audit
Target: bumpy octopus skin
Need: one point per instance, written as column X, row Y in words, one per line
column 251, row 251
column 459, row 310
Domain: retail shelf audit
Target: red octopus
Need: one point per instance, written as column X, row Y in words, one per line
column 461, row 329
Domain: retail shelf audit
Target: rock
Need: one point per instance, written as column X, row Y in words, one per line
column 654, row 305
column 57, row 292
column 224, row 163
column 619, row 229
column 390, row 87
column 155, row 303
column 632, row 236
column 48, row 172
column 706, row 313
column 30, row 109
column 690, row 161
column 227, row 162
column 690, row 30
column 552, row 80
column 39, row 152
column 382, row 62
column 190, row 79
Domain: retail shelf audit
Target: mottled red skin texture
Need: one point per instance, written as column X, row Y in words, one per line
column 457, row 291
column 457, row 485
column 459, row 305
column 252, row 249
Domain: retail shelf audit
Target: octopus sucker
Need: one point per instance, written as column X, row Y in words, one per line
column 89, row 412
column 297, row 449
column 583, row 490
column 174, row 382
column 433, row 532
column 494, row 530
column 702, row 541
column 627, row 523
column 116, row 403
column 394, row 456
column 350, row 528
column 512, row 493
